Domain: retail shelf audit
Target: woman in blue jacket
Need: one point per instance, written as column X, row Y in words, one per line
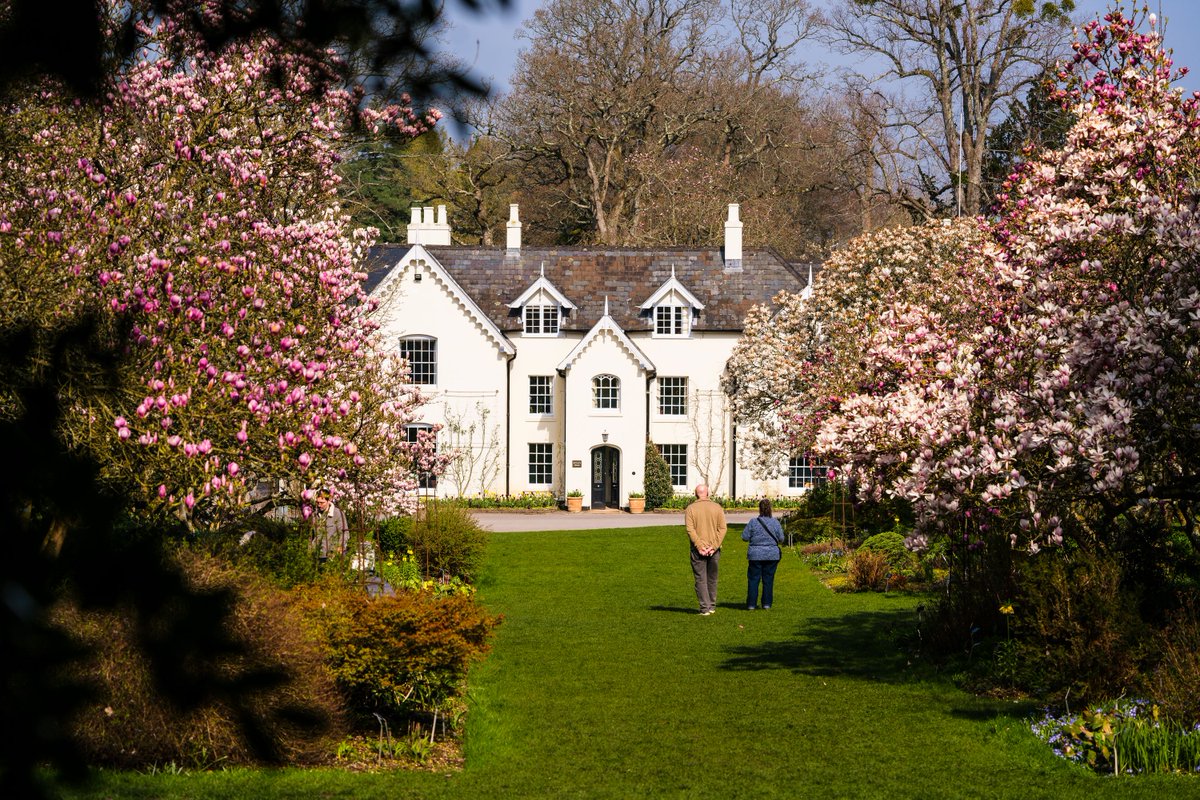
column 765, row 535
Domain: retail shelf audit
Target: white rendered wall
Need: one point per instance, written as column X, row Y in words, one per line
column 586, row 426
column 538, row 355
column 471, row 376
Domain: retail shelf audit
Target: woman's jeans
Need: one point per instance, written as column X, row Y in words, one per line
column 764, row 571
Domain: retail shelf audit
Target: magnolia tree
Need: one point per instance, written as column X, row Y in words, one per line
column 1059, row 393
column 802, row 355
column 194, row 213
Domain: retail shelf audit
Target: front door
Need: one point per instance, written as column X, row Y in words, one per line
column 606, row 470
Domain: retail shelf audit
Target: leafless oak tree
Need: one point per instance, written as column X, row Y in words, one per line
column 966, row 60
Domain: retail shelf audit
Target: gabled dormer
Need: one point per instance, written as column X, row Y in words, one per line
column 672, row 309
column 542, row 308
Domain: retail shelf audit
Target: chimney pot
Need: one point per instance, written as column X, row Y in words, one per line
column 513, row 229
column 414, row 226
column 733, row 240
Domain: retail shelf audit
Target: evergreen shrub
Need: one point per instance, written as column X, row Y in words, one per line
column 392, row 534
column 891, row 544
column 657, row 478
column 402, row 654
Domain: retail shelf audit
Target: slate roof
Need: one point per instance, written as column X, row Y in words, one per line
column 626, row 276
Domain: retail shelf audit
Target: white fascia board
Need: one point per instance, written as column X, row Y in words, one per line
column 417, row 253
column 543, row 283
column 672, row 285
column 607, row 323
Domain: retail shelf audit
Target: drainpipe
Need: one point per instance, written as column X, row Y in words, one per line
column 507, row 428
column 566, row 460
column 649, row 378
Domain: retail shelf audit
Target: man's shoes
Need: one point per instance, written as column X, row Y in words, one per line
column 708, row 613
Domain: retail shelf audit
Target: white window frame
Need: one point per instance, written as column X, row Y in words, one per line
column 430, row 346
column 603, row 385
column 803, row 473
column 674, row 404
column 677, row 461
column 542, row 319
column 541, row 456
column 675, row 318
column 547, row 397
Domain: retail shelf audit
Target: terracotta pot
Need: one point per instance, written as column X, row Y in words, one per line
column 574, row 504
column 637, row 505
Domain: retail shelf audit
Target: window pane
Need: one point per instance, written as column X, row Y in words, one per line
column 676, row 457
column 541, row 463
column 606, row 392
column 540, row 398
column 670, row 320
column 662, row 320
column 425, row 480
column 803, row 471
column 672, row 396
column 533, row 319
column 541, row 320
column 421, row 354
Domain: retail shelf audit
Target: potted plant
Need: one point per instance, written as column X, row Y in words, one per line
column 637, row 502
column 574, row 500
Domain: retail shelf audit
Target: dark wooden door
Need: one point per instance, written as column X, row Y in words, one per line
column 606, row 483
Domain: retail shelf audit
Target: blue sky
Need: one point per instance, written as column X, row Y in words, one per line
column 489, row 43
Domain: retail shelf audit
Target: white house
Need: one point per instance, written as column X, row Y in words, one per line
column 550, row 368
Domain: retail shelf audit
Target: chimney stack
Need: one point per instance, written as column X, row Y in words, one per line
column 733, row 240
column 424, row 228
column 514, row 228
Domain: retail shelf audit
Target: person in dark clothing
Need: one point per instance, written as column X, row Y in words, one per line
column 765, row 535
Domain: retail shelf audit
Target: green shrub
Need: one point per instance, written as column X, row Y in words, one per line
column 522, row 500
column 447, row 541
column 400, row 654
column 276, row 549
column 868, row 570
column 1076, row 627
column 809, row 529
column 891, row 544
column 392, row 534
column 657, row 478
column 297, row 706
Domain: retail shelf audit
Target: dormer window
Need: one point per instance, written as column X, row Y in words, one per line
column 671, row 309
column 541, row 308
column 671, row 320
column 541, row 320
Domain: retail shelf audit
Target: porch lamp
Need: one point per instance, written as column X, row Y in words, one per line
column 604, row 436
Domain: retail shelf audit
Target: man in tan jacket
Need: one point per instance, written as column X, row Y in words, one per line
column 705, row 521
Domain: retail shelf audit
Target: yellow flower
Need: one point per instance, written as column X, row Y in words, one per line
column 1006, row 608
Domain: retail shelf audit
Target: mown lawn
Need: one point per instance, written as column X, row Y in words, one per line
column 604, row 682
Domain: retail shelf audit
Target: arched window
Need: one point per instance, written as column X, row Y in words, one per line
column 421, row 354
column 606, row 392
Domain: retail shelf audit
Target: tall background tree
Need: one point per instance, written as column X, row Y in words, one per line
column 634, row 122
column 955, row 66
